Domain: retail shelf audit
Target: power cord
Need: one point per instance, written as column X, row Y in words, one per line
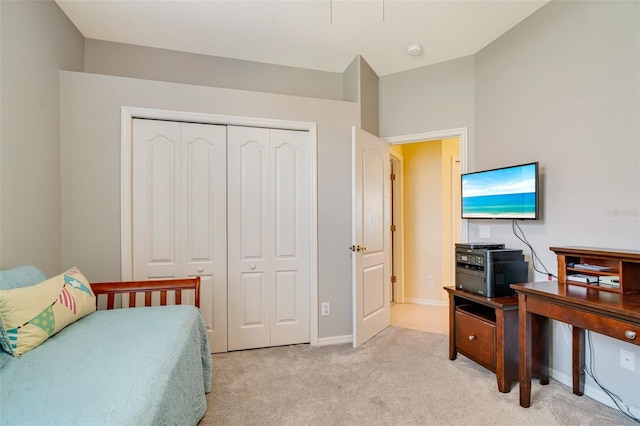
column 615, row 398
column 534, row 256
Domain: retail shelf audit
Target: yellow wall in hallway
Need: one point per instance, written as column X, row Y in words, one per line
column 427, row 218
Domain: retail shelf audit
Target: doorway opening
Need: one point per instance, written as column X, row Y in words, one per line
column 426, row 223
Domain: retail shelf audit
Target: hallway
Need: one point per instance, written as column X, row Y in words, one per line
column 434, row 319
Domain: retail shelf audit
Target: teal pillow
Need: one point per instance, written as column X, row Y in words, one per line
column 21, row 276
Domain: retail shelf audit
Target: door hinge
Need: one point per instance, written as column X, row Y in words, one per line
column 393, row 176
column 393, row 228
column 393, row 278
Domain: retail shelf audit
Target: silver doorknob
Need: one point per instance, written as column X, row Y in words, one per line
column 630, row 334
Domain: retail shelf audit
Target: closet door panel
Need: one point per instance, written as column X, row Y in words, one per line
column 248, row 260
column 155, row 196
column 254, row 314
column 290, row 232
column 286, row 286
column 204, row 230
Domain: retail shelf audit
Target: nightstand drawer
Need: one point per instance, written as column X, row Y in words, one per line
column 476, row 339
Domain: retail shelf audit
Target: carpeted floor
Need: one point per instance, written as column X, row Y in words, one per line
column 400, row 377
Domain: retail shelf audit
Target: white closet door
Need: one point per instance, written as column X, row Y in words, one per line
column 269, row 219
column 231, row 205
column 248, row 256
column 204, row 224
column 289, row 182
column 179, row 211
column 155, row 204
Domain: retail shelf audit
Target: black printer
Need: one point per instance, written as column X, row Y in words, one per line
column 488, row 269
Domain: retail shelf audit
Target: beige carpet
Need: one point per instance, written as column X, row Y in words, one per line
column 400, row 377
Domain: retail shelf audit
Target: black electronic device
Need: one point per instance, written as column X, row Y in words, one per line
column 480, row 246
column 489, row 272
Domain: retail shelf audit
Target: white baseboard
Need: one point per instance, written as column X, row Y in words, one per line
column 590, row 391
column 335, row 340
column 425, row 302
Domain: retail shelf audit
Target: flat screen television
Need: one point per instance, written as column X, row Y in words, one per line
column 504, row 193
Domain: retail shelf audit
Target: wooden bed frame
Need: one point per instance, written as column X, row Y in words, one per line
column 110, row 289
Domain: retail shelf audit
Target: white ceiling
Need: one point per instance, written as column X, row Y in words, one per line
column 322, row 35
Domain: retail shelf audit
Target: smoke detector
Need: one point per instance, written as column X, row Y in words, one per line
column 414, row 49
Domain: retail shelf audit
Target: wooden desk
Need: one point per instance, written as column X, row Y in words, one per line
column 610, row 313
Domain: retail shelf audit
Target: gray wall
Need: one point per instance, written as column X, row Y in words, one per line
column 563, row 88
column 90, row 143
column 360, row 85
column 125, row 60
column 369, row 82
column 351, row 80
column 37, row 41
column 431, row 98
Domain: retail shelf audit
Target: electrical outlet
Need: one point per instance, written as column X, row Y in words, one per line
column 325, row 309
column 627, row 360
column 484, row 231
column 429, row 280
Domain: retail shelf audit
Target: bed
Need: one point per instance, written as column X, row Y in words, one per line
column 148, row 365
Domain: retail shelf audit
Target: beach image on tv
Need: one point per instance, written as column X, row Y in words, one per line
column 507, row 193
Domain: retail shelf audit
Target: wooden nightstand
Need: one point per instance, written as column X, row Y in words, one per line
column 485, row 330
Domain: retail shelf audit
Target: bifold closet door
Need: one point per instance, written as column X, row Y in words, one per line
column 268, row 246
column 179, row 211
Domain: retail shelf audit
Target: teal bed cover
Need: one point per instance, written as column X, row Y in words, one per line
column 142, row 366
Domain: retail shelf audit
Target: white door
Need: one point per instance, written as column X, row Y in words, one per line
column 204, row 222
column 179, row 211
column 268, row 257
column 371, row 230
column 290, row 234
column 155, row 191
column 248, row 258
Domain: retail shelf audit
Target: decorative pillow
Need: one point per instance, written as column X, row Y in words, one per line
column 30, row 315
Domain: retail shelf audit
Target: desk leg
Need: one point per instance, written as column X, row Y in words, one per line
column 524, row 340
column 540, row 349
column 578, row 360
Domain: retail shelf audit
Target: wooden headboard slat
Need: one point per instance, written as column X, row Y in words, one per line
column 110, row 289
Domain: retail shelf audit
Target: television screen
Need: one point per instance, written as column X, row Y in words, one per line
column 505, row 193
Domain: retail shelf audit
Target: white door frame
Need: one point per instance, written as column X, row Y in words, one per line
column 127, row 114
column 462, row 134
column 455, row 217
column 397, row 207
